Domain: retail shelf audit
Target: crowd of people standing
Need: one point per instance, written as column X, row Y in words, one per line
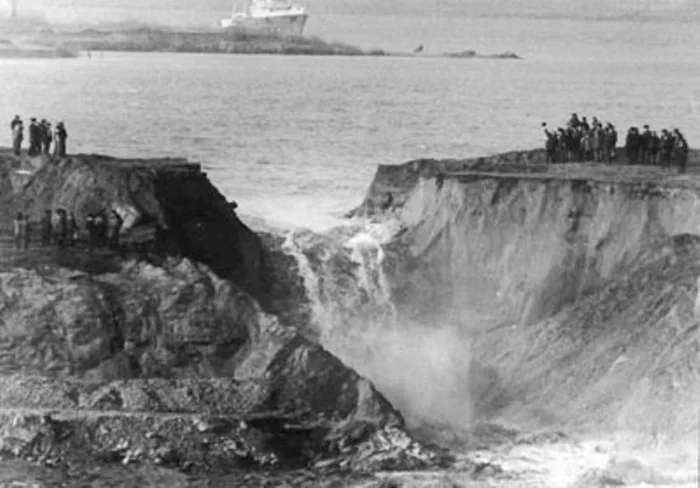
column 41, row 136
column 584, row 141
column 60, row 228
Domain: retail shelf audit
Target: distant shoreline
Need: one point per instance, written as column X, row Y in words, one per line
column 172, row 41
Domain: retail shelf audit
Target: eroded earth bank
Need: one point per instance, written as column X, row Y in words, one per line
column 524, row 325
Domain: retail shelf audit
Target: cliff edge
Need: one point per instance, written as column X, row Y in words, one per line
column 120, row 354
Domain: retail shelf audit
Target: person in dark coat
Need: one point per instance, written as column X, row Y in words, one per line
column 573, row 122
column 550, row 144
column 46, row 228
column 16, row 121
column 90, row 229
column 680, row 150
column 666, row 148
column 632, row 144
column 584, row 125
column 46, row 136
column 654, row 147
column 34, row 137
column 645, row 146
column 114, row 227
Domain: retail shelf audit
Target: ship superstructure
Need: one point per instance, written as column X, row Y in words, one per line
column 270, row 16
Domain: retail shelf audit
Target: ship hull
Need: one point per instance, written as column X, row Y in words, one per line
column 282, row 25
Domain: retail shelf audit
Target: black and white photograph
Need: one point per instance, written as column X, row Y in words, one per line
column 350, row 243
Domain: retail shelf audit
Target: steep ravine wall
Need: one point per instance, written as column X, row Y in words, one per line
column 524, row 246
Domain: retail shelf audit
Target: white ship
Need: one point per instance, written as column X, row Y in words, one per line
column 269, row 16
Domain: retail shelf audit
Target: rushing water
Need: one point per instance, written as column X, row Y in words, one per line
column 297, row 139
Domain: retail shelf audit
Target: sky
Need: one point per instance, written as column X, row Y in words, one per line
column 178, row 12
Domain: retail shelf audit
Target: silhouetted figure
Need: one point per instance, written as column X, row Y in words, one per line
column 90, row 229
column 573, row 122
column 645, row 146
column 680, row 150
column 100, row 228
column 46, row 136
column 612, row 135
column 46, row 228
column 17, row 138
column 550, row 144
column 114, row 227
column 666, row 148
column 34, row 137
column 71, row 230
column 61, row 227
column 597, row 137
column 654, row 147
column 584, row 125
column 587, row 146
column 21, row 232
column 632, row 145
column 60, row 135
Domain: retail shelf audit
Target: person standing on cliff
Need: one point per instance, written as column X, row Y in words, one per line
column 612, row 140
column 550, row 144
column 645, row 146
column 21, row 232
column 46, row 228
column 654, row 147
column 680, row 150
column 573, row 122
column 666, row 149
column 47, row 136
column 597, row 143
column 60, row 135
column 72, row 230
column 34, row 137
column 17, row 138
column 114, row 227
column 632, row 145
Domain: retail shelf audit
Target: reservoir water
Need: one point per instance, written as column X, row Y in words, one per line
column 296, row 140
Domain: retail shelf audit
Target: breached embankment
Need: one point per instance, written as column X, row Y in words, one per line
column 506, row 291
column 168, row 352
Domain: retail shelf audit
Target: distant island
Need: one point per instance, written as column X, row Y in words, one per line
column 146, row 39
column 28, row 40
column 10, row 49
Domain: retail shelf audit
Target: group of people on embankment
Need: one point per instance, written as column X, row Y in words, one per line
column 41, row 136
column 584, row 141
column 60, row 228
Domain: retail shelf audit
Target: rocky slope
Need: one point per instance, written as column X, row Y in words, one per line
column 525, row 295
column 164, row 355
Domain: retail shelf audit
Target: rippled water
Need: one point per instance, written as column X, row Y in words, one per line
column 297, row 139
